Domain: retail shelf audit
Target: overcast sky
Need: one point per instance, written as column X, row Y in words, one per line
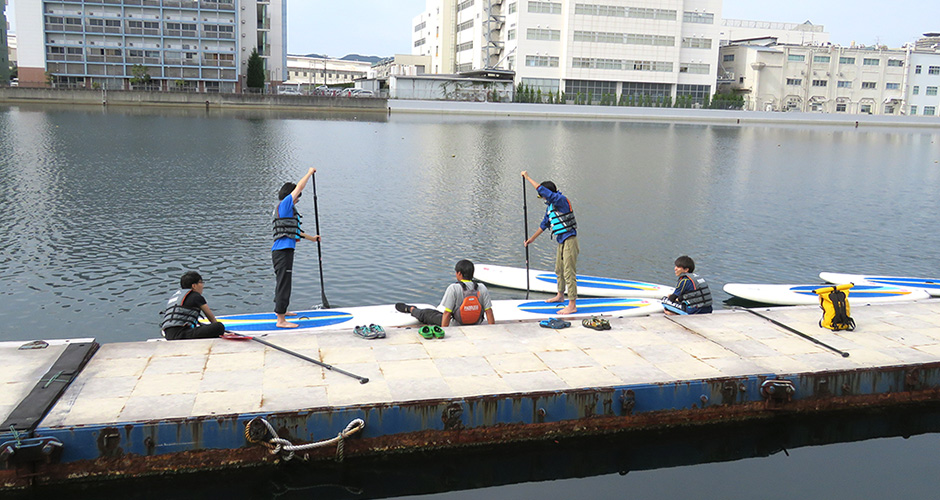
column 383, row 27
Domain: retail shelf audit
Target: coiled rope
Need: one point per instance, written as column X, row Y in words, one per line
column 280, row 445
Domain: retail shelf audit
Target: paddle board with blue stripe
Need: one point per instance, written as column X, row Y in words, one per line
column 588, row 286
column 321, row 319
column 792, row 295
column 929, row 285
column 520, row 310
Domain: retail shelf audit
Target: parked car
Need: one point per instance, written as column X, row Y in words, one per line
column 364, row 93
column 288, row 91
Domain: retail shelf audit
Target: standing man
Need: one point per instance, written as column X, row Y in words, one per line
column 559, row 217
column 181, row 316
column 286, row 233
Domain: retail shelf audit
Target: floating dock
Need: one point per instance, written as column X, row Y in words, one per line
column 144, row 408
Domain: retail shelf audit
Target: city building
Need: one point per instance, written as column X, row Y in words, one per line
column 400, row 65
column 315, row 71
column 196, row 45
column 4, row 48
column 786, row 33
column 828, row 79
column 11, row 47
column 924, row 77
column 610, row 48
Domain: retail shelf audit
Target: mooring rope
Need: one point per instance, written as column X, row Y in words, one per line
column 278, row 445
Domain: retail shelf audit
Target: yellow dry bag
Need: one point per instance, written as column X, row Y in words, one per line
column 834, row 302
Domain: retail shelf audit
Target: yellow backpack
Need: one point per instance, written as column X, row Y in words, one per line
column 834, row 302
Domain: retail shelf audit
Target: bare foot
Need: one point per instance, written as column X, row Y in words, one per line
column 557, row 298
column 569, row 309
column 286, row 324
column 290, row 314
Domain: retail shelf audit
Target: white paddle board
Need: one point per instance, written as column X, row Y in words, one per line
column 929, row 285
column 588, row 286
column 792, row 295
column 343, row 318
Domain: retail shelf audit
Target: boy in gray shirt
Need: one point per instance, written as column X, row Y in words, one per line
column 465, row 302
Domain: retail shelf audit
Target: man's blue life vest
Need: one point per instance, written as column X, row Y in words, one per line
column 560, row 222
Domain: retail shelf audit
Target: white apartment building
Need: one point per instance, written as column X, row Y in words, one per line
column 314, row 71
column 201, row 45
column 829, row 79
column 4, row 48
column 924, row 77
column 580, row 47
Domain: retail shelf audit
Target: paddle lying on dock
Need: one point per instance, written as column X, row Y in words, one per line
column 801, row 334
column 230, row 335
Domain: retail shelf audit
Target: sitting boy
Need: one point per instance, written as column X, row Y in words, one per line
column 183, row 309
column 692, row 295
column 453, row 303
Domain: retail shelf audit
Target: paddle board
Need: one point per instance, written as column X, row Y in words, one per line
column 520, row 310
column 929, row 285
column 322, row 319
column 792, row 295
column 588, row 286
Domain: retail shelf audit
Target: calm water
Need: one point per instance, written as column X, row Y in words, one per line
column 104, row 209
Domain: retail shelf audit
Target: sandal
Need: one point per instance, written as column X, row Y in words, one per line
column 438, row 331
column 596, row 323
column 377, row 330
column 365, row 332
column 426, row 332
column 554, row 323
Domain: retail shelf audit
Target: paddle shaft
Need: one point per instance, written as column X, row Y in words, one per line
column 316, row 219
column 525, row 222
column 362, row 380
column 801, row 334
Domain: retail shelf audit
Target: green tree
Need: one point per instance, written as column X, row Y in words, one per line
column 139, row 75
column 255, row 73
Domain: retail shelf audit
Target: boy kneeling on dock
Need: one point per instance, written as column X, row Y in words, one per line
column 181, row 316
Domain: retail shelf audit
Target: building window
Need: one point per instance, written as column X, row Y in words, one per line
column 917, row 70
column 619, row 11
column 821, row 59
column 727, row 58
column 420, row 42
column 624, row 38
column 913, row 110
column 696, row 43
column 546, row 85
column 896, row 63
column 695, row 68
column 865, row 108
column 795, row 81
column 511, row 35
column 512, row 8
column 541, row 61
column 654, row 90
column 869, row 85
column 698, row 17
column 840, row 107
column 933, row 70
column 421, row 26
column 931, row 91
column 846, row 60
column 819, row 83
column 892, row 86
column 916, row 90
column 545, row 7
column 930, row 110
column 844, row 84
column 464, row 46
column 870, row 62
column 465, row 25
column 796, row 58
column 544, row 34
column 596, row 89
column 698, row 92
column 463, row 5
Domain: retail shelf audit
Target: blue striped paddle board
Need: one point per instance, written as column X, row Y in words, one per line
column 930, row 285
column 792, row 295
column 588, row 286
column 322, row 319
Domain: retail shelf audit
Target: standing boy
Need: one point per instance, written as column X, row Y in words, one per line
column 286, row 233
column 559, row 217
column 692, row 295
column 181, row 316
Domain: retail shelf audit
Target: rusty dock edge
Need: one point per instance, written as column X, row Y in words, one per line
column 134, row 449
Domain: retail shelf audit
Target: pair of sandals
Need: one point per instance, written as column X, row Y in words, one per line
column 370, row 332
column 554, row 323
column 596, row 323
column 431, row 331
